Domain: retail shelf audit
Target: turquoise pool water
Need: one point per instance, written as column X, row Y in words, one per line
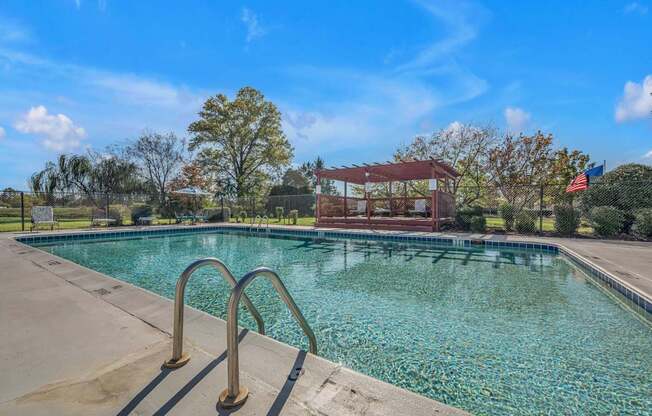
column 492, row 332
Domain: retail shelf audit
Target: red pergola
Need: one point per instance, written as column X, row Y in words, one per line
column 397, row 211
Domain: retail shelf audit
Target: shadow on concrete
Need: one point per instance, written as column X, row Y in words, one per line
column 144, row 392
column 167, row 406
column 284, row 394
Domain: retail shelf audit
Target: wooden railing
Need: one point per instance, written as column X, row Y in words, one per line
column 334, row 206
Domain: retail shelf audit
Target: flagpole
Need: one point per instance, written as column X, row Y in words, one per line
column 604, row 166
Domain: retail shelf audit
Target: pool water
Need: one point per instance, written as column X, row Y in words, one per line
column 489, row 331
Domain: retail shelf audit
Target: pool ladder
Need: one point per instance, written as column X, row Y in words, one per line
column 234, row 394
column 258, row 222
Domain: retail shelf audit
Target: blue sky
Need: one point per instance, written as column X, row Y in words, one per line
column 353, row 80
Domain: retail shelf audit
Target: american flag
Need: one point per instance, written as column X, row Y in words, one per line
column 580, row 183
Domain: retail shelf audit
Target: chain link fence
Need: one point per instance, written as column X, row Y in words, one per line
column 606, row 210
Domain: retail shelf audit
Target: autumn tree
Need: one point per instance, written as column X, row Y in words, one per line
column 517, row 165
column 463, row 146
column 241, row 141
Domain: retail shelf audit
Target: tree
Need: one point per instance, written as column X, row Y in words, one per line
column 241, row 141
column 159, row 157
column 308, row 170
column 191, row 176
column 96, row 175
column 463, row 146
column 296, row 179
column 517, row 164
column 628, row 188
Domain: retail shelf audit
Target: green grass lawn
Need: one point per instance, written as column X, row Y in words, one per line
column 494, row 223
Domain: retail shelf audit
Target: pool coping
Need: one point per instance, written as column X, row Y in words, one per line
column 632, row 294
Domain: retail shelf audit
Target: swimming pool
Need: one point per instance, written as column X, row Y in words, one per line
column 490, row 331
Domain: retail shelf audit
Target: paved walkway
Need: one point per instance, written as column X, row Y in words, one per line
column 76, row 342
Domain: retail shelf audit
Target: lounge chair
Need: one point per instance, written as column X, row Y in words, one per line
column 361, row 208
column 381, row 211
column 149, row 220
column 419, row 208
column 43, row 215
column 100, row 218
column 184, row 217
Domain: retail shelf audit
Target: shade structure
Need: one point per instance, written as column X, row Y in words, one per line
column 394, row 211
column 192, row 191
column 389, row 172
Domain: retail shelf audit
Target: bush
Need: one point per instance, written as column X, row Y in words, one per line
column 567, row 220
column 607, row 221
column 242, row 215
column 524, row 223
column 138, row 211
column 118, row 213
column 478, row 224
column 507, row 213
column 627, row 188
column 279, row 213
column 294, row 216
column 642, row 227
column 463, row 216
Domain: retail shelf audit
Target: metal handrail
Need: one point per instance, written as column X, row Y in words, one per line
column 178, row 357
column 266, row 219
column 254, row 221
column 235, row 395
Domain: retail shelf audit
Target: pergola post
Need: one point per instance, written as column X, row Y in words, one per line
column 391, row 212
column 366, row 197
column 318, row 197
column 346, row 200
column 433, row 208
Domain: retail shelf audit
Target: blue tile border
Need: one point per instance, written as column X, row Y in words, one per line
column 609, row 280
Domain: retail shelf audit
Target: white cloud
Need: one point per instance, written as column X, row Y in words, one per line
column 636, row 7
column 250, row 20
column 461, row 20
column 517, row 119
column 59, row 131
column 636, row 102
column 135, row 89
column 648, row 155
column 13, row 32
column 2, row 133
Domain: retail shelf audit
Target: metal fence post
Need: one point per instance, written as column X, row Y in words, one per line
column 541, row 209
column 22, row 211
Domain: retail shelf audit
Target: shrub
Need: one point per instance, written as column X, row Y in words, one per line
column 567, row 220
column 524, row 222
column 478, row 224
column 294, row 216
column 507, row 213
column 213, row 215
column 138, row 211
column 242, row 215
column 627, row 188
column 607, row 221
column 279, row 213
column 464, row 214
column 642, row 227
column 118, row 213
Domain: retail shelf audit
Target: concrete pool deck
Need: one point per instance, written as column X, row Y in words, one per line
column 75, row 341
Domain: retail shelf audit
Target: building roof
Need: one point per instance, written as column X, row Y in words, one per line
column 390, row 172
